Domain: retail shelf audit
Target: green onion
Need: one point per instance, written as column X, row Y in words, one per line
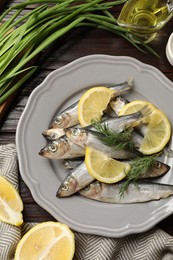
column 26, row 33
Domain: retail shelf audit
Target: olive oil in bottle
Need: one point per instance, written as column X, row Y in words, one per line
column 145, row 17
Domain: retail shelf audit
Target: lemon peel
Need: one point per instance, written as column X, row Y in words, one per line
column 47, row 240
column 103, row 167
column 158, row 127
column 92, row 104
column 11, row 203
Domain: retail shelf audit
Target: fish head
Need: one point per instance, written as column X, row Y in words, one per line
column 61, row 121
column 159, row 168
column 77, row 135
column 53, row 133
column 50, row 135
column 68, row 187
column 92, row 190
column 55, row 149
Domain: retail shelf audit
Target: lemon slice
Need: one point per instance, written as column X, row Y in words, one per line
column 104, row 168
column 48, row 240
column 92, row 104
column 158, row 128
column 135, row 106
column 11, row 204
column 158, row 133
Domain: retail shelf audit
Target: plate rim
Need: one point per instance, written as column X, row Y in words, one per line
column 129, row 229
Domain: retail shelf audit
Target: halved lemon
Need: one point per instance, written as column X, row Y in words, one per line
column 48, row 240
column 158, row 128
column 92, row 104
column 11, row 204
column 103, row 168
column 158, row 133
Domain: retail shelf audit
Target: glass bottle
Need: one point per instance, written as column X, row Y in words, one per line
column 145, row 17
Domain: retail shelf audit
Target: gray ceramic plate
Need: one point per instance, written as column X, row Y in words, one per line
column 61, row 88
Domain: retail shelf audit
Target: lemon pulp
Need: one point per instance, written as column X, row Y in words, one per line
column 48, row 240
column 92, row 104
column 11, row 204
column 104, row 168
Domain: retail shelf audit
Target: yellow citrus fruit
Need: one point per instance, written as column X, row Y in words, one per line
column 48, row 240
column 135, row 106
column 104, row 168
column 11, row 204
column 158, row 128
column 92, row 104
column 158, row 133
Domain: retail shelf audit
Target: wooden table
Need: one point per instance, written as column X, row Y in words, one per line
column 75, row 45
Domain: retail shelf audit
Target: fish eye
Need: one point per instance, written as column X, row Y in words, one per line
column 58, row 120
column 157, row 165
column 65, row 187
column 75, row 131
column 53, row 136
column 52, row 148
column 86, row 188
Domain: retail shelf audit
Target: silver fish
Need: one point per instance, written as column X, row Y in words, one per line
column 121, row 123
column 80, row 178
column 118, row 104
column 87, row 137
column 69, row 116
column 136, row 192
column 71, row 164
column 84, row 138
column 61, row 149
column 158, row 168
column 75, row 181
column 53, row 133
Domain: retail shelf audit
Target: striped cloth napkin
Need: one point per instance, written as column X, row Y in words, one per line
column 154, row 244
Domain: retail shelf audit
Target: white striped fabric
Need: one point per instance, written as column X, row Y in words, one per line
column 154, row 244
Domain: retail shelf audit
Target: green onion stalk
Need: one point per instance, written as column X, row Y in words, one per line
column 25, row 33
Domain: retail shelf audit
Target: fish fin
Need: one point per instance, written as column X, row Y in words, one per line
column 130, row 82
column 168, row 152
column 122, row 87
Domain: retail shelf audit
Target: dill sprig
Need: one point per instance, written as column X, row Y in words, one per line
column 118, row 141
column 139, row 166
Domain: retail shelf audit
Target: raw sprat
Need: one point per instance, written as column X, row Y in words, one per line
column 157, row 131
column 143, row 192
column 79, row 177
column 117, row 138
column 69, row 116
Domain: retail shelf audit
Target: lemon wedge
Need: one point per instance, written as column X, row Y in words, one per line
column 11, row 204
column 135, row 106
column 48, row 240
column 158, row 128
column 92, row 104
column 158, row 133
column 103, row 168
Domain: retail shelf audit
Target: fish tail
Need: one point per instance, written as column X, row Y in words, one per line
column 123, row 87
column 143, row 116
